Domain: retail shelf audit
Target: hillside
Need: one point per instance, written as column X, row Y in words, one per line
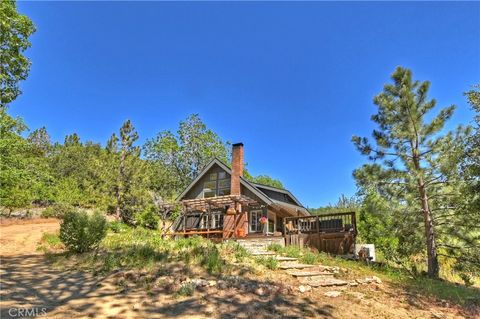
column 135, row 273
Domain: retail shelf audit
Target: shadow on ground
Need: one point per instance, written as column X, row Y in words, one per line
column 31, row 281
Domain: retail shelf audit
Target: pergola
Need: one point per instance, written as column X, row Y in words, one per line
column 192, row 207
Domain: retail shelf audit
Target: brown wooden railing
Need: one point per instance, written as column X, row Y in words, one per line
column 327, row 223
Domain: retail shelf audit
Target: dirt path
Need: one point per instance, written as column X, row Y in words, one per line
column 30, row 285
column 22, row 238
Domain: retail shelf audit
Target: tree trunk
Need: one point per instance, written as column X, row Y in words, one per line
column 432, row 257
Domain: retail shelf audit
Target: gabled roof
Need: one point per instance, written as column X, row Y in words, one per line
column 253, row 187
column 278, row 190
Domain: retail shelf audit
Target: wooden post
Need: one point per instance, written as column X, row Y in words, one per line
column 265, row 226
column 209, row 215
column 184, row 219
column 318, row 224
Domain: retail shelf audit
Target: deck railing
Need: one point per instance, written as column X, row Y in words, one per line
column 327, row 223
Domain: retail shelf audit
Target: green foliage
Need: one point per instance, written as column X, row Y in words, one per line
column 304, row 255
column 50, row 241
column 232, row 247
column 57, row 211
column 269, row 262
column 275, row 247
column 309, row 257
column 177, row 158
column 414, row 177
column 15, row 30
column 211, row 259
column 80, row 232
column 118, row 227
column 187, row 289
column 292, row 251
column 267, row 180
column 147, row 218
column 344, row 204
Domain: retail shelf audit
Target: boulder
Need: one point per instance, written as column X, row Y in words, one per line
column 333, row 293
column 304, row 288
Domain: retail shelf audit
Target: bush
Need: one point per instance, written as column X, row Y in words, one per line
column 147, row 218
column 276, row 248
column 269, row 262
column 187, row 289
column 80, row 232
column 118, row 227
column 211, row 260
column 57, row 211
column 309, row 258
column 49, row 242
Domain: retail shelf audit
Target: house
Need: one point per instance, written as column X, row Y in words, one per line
column 220, row 203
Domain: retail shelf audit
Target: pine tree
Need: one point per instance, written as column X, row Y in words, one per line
column 410, row 158
column 128, row 160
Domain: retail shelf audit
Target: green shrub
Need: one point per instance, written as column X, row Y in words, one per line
column 187, row 289
column 210, row 259
column 49, row 241
column 57, row 211
column 292, row 251
column 309, row 257
column 118, row 227
column 269, row 262
column 235, row 249
column 147, row 218
column 276, row 248
column 80, row 232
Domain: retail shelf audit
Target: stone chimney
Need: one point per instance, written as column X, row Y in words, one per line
column 237, row 168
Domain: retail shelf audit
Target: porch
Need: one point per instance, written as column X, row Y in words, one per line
column 238, row 217
column 333, row 233
column 224, row 217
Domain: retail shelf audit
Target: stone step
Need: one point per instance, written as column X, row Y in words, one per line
column 287, row 265
column 283, row 258
column 307, row 273
column 321, row 281
column 263, row 253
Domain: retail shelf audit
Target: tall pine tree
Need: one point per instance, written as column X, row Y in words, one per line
column 410, row 159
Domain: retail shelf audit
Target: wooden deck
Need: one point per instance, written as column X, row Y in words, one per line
column 331, row 233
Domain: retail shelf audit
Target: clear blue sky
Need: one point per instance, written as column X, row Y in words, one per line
column 293, row 82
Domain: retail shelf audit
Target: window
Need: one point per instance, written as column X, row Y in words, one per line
column 210, row 185
column 224, row 192
column 208, row 193
column 218, row 184
column 224, row 183
column 204, row 221
column 217, row 220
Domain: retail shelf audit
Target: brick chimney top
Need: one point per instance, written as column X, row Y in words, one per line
column 237, row 168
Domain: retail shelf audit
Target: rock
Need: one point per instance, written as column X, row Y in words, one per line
column 129, row 275
column 212, row 283
column 333, row 293
column 303, row 288
column 221, row 284
column 353, row 283
column 356, row 294
column 118, row 274
column 260, row 291
column 377, row 280
column 199, row 282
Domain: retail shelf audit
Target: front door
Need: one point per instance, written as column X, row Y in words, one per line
column 254, row 225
